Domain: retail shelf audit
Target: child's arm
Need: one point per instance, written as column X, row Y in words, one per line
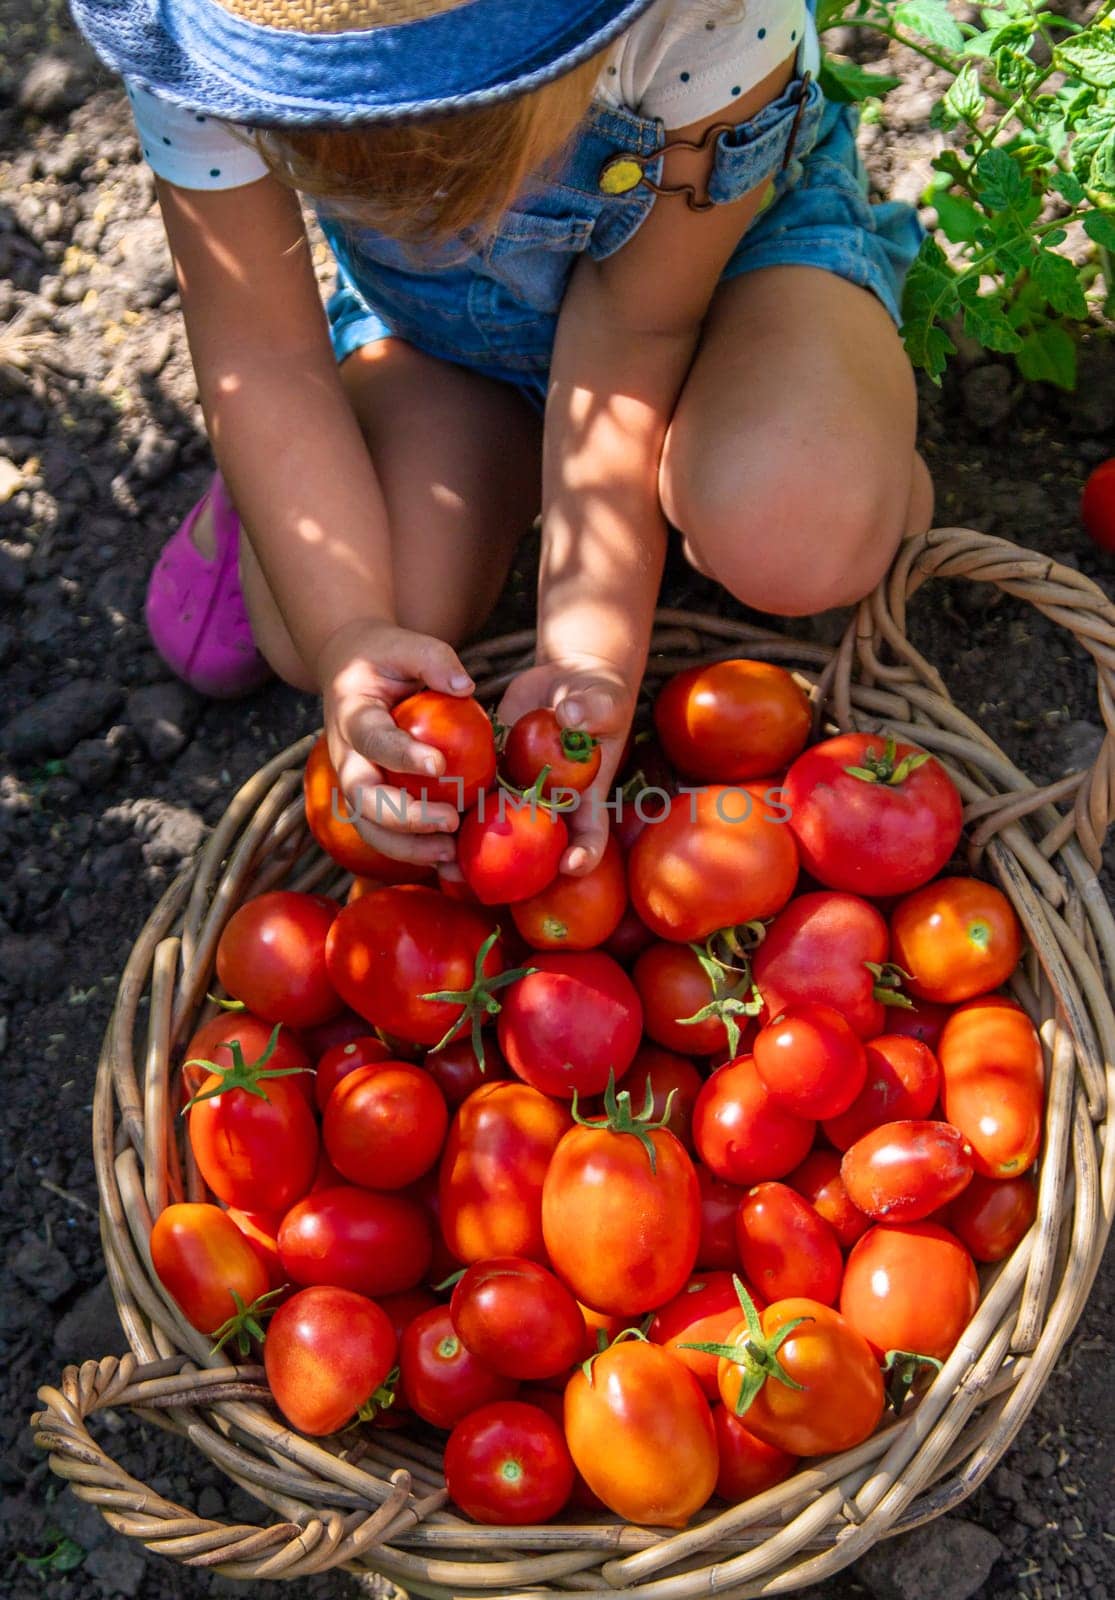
column 626, row 337
column 300, row 475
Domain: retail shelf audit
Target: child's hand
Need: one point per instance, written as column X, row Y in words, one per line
column 587, row 693
column 365, row 669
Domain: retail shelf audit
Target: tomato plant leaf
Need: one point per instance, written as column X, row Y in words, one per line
column 1091, row 56
column 985, row 322
column 964, row 99
column 1100, row 226
column 1056, row 277
column 929, row 297
column 848, row 83
column 1048, row 355
column 1002, row 182
column 933, row 20
column 957, row 217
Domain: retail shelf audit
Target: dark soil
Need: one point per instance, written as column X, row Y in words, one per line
column 115, row 772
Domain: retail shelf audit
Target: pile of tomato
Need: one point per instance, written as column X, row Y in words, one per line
column 640, row 1185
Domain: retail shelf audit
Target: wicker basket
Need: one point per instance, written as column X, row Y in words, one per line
column 380, row 1505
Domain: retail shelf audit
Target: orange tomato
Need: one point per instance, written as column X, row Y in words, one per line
column 576, row 913
column 328, row 817
column 993, row 1084
column 202, row 1258
column 910, row 1286
column 957, row 937
column 731, row 720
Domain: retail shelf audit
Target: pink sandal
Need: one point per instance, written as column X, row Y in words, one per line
column 195, row 608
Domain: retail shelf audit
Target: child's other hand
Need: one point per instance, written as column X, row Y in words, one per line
column 587, row 693
column 364, row 669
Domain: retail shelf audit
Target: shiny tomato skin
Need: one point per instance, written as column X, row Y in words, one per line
column 1097, row 505
column 350, row 1238
column 871, row 838
column 630, row 938
column 717, row 1248
column 786, row 1247
column 326, row 1353
column 818, row 1179
column 748, row 1466
column 508, row 1464
column 957, row 938
column 910, row 1286
column 741, row 1134
column 672, row 986
column 499, row 1147
column 729, row 721
column 389, row 948
column 993, row 1084
column 213, row 1039
column 271, row 955
column 385, row 1125
column 457, row 1072
column 201, row 1258
column 704, row 1312
column 903, row 1081
column 444, row 1381
column 570, row 1023
column 576, row 913
column 518, row 1318
column 840, row 1399
column 811, row 1060
column 509, row 849
column 720, row 856
column 622, row 1235
column 261, row 1229
column 666, row 1074
column 921, row 1019
column 329, row 818
column 344, row 1059
column 993, row 1215
column 462, row 731
column 256, row 1154
column 537, row 740
column 817, row 950
column 641, row 1434
column 905, row 1171
column 401, row 1310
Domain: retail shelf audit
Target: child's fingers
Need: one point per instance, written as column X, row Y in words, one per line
column 428, row 850
column 371, row 731
column 438, row 665
column 596, row 707
column 384, row 806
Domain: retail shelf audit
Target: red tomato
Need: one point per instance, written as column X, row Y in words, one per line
column 351, row 1238
column 385, row 1125
column 631, row 937
column 326, row 1175
column 621, row 1213
column 910, row 1286
column 665, row 1074
column 822, row 948
column 818, row 1179
column 461, row 731
column 871, row 816
column 904, row 1171
column 719, row 857
column 704, row 1312
column 903, row 1079
column 641, row 1434
column 719, row 1204
column 261, row 1229
column 747, row 1465
column 576, row 913
column 1097, row 505
column 213, row 1041
column 728, row 721
column 331, row 821
column 538, row 741
column 443, row 1380
column 992, row 1084
column 574, row 1020
column 255, row 1140
column 327, row 1352
column 509, row 847
column 517, row 1318
column 443, row 1263
column 499, row 1147
column 811, row 1060
column 993, row 1215
column 786, row 1247
column 457, row 1072
column 509, row 1464
column 676, row 982
column 202, row 1259
column 921, row 1019
column 401, row 1310
column 345, row 1059
column 552, row 1402
column 390, row 949
column 271, row 955
column 741, row 1133
column 956, row 938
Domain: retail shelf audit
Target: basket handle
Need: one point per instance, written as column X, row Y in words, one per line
column 239, row 1550
column 876, row 644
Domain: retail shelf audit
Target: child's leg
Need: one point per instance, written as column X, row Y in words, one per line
column 459, row 460
column 790, row 465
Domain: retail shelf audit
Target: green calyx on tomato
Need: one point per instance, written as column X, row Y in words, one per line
column 620, row 1116
column 733, row 991
column 381, row 1399
column 246, row 1322
column 578, row 745
column 226, row 1004
column 476, row 1002
column 902, row 1369
column 889, row 979
column 757, row 1355
column 536, row 797
column 884, row 769
column 603, row 1343
column 242, row 1074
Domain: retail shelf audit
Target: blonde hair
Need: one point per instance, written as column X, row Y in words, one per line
column 433, row 180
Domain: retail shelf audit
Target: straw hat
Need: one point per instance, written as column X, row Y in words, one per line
column 299, row 62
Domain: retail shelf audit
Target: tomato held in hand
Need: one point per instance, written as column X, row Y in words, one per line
column 576, row 913
column 1097, row 505
column 811, row 1060
column 719, row 857
column 740, row 1132
column 730, row 721
column 457, row 1072
column 993, row 1215
column 748, row 1466
column 641, row 1434
column 253, row 1135
column 679, row 984
column 871, row 816
column 444, row 1381
column 537, row 741
column 903, row 1080
column 818, row 1179
column 904, row 1171
column 786, row 1247
column 621, row 1212
column 992, row 1084
column 326, row 1354
column 203, row 1261
column 344, row 1059
column 331, row 821
column 572, row 1021
column 510, row 846
column 957, row 938
column 462, row 731
column 704, row 1312
column 351, row 1238
column 517, row 1318
column 508, row 1464
column 910, row 1286
column 385, row 1125
column 271, row 955
column 831, row 950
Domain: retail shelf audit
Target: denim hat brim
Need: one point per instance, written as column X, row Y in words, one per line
column 196, row 54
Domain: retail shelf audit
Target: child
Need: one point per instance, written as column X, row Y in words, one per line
column 609, row 260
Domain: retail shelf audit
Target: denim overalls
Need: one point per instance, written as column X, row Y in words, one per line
column 495, row 310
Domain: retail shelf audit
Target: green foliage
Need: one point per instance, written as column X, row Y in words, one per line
column 65, row 1555
column 1030, row 107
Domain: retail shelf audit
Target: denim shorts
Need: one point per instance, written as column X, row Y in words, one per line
column 494, row 308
